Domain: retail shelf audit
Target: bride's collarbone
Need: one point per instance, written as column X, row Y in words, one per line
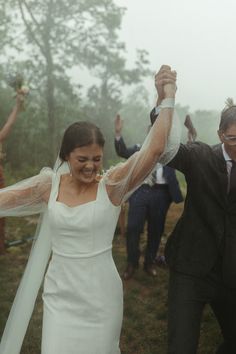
column 76, row 195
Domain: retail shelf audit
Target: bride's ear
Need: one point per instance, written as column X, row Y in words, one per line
column 69, row 166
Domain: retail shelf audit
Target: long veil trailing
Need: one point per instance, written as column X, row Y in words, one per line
column 26, row 198
column 26, row 295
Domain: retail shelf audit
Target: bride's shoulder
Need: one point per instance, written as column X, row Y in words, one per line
column 47, row 172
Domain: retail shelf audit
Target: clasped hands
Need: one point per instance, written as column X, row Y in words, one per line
column 165, row 83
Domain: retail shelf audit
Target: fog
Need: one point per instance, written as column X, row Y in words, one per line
column 72, row 57
column 197, row 38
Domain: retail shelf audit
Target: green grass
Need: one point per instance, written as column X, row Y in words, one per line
column 144, row 326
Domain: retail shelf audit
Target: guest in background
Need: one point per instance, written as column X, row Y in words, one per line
column 192, row 133
column 150, row 202
column 4, row 133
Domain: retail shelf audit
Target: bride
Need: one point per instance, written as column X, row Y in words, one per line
column 82, row 293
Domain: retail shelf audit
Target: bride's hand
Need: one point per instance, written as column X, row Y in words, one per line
column 20, row 98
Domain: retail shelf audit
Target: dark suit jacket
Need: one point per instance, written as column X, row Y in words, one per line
column 168, row 173
column 123, row 151
column 209, row 218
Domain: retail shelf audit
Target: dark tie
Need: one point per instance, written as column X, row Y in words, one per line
column 232, row 181
column 229, row 259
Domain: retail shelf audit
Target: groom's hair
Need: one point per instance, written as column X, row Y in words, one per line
column 80, row 134
column 228, row 115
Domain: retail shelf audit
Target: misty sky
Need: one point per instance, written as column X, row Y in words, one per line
column 195, row 37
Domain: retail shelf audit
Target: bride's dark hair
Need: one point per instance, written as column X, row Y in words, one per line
column 80, row 134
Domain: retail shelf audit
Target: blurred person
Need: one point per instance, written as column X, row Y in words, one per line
column 150, row 202
column 201, row 250
column 192, row 133
column 121, row 220
column 4, row 133
column 82, row 293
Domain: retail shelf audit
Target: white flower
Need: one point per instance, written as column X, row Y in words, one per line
column 24, row 90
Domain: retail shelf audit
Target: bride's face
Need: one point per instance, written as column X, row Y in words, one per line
column 86, row 162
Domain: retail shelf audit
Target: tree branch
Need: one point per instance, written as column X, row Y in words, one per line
column 30, row 30
column 31, row 15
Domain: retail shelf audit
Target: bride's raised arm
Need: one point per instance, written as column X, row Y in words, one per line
column 160, row 145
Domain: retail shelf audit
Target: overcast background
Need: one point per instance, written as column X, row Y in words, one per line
column 197, row 38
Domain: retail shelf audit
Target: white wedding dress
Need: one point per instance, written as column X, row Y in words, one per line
column 83, row 297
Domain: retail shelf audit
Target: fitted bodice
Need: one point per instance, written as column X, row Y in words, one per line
column 84, row 230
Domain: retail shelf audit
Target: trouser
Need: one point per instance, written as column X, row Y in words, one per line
column 151, row 204
column 187, row 297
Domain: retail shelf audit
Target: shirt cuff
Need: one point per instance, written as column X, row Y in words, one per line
column 157, row 110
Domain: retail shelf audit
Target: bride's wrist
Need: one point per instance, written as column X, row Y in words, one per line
column 170, row 94
column 168, row 102
column 169, row 91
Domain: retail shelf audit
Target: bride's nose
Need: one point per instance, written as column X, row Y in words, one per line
column 89, row 164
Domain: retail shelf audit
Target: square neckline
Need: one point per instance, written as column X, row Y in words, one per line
column 78, row 205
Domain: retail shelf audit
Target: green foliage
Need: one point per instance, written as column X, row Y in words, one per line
column 54, row 37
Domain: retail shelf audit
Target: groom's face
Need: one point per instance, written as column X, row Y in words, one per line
column 228, row 137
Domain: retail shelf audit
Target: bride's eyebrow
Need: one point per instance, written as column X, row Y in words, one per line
column 88, row 157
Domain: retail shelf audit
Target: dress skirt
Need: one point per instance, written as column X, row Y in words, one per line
column 83, row 305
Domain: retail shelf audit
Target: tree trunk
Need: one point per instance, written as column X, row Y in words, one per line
column 50, row 91
column 50, row 99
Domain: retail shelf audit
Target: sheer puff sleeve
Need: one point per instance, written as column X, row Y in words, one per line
column 27, row 197
column 160, row 145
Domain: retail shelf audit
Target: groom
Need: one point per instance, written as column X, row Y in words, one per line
column 201, row 251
